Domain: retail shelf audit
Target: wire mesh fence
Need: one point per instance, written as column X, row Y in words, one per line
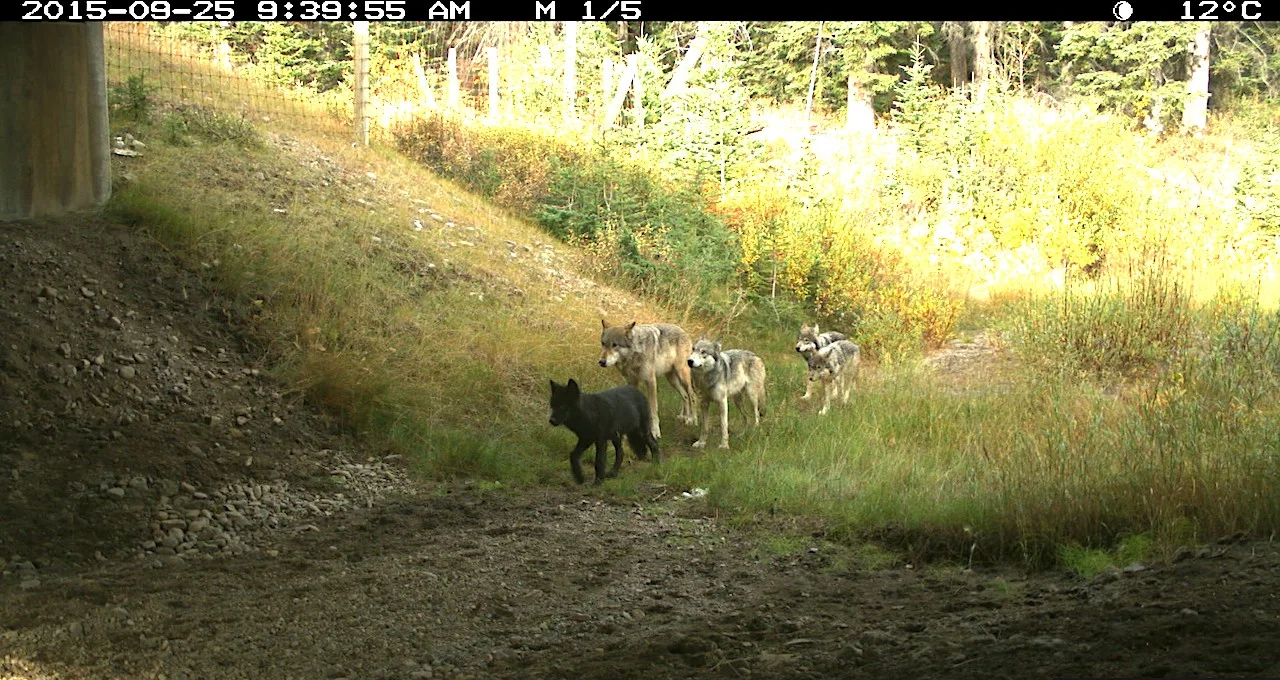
column 303, row 75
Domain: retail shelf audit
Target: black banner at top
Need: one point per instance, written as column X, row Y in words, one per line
column 625, row 10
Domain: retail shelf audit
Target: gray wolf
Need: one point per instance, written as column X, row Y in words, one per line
column 602, row 417
column 811, row 341
column 836, row 366
column 642, row 353
column 720, row 374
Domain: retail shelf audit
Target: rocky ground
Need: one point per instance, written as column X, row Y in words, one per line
column 165, row 511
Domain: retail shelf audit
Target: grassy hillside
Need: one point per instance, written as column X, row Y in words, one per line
column 1128, row 411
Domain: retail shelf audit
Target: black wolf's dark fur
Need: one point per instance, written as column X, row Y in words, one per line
column 602, row 417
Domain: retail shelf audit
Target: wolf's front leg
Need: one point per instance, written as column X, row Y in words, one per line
column 705, row 405
column 828, row 388
column 682, row 380
column 808, row 389
column 575, row 460
column 651, row 391
column 724, row 423
column 602, row 454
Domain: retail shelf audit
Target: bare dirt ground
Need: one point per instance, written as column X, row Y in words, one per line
column 166, row 512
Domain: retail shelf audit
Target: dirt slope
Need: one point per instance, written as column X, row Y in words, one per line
column 166, row 512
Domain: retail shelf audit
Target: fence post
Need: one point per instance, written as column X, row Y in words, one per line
column 492, row 54
column 453, row 78
column 570, row 68
column 361, row 46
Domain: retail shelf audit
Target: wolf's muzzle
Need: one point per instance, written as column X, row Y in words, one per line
column 691, row 363
column 603, row 364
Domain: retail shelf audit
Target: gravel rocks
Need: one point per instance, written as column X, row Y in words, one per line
column 235, row 518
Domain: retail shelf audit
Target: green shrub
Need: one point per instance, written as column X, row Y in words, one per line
column 134, row 99
column 658, row 232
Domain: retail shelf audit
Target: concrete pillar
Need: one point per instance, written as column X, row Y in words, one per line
column 55, row 146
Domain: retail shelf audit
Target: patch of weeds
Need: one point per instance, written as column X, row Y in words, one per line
column 872, row 557
column 182, row 126
column 1001, row 586
column 775, row 546
column 1085, row 562
column 1137, row 548
column 1089, row 562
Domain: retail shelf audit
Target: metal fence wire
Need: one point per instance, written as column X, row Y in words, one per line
column 303, row 75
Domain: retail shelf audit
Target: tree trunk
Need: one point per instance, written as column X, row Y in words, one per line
column 681, row 76
column 1195, row 117
column 637, row 82
column 495, row 112
column 570, row 69
column 620, row 95
column 53, row 119
column 958, row 44
column 813, row 76
column 453, row 79
column 860, row 113
column 606, row 80
column 424, row 87
column 983, row 57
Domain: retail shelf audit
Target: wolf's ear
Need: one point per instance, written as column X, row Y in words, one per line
column 815, row 330
column 604, row 325
column 573, row 388
column 631, row 326
column 718, row 348
column 554, row 387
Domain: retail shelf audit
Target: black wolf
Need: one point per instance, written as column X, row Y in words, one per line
column 602, row 417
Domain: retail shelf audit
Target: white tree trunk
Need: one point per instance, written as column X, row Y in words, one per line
column 424, row 87
column 453, row 79
column 680, row 78
column 620, row 95
column 958, row 43
column 1195, row 116
column 494, row 112
column 637, row 104
column 606, row 80
column 861, row 116
column 570, row 69
column 813, row 75
column 983, row 58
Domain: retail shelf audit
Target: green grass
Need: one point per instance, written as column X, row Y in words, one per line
column 1089, row 562
column 344, row 304
column 1000, row 476
column 419, row 364
column 386, row 328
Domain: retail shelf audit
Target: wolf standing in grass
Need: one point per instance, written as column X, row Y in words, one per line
column 602, row 417
column 642, row 353
column 810, row 341
column 719, row 375
column 836, row 366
